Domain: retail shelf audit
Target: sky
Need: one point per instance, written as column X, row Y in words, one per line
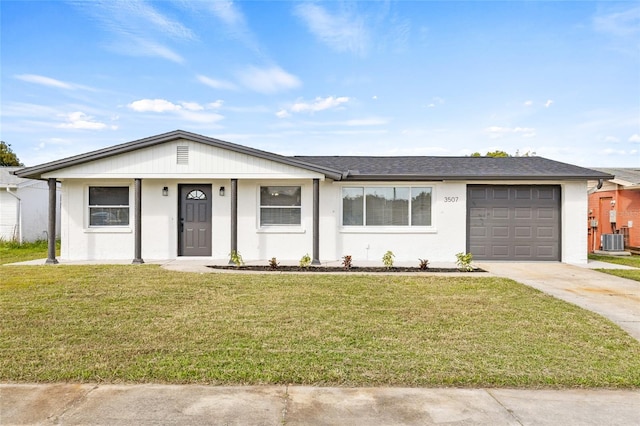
column 557, row 79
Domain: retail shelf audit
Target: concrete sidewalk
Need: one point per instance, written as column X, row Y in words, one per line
column 88, row 404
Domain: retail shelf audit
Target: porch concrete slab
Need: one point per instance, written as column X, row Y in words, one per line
column 615, row 298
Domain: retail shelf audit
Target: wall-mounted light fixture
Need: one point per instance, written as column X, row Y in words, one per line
column 613, row 203
column 221, row 191
column 165, row 191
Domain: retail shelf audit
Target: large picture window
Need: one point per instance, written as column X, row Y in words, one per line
column 386, row 206
column 280, row 205
column 108, row 206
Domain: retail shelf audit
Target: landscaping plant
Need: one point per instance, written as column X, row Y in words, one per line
column 236, row 258
column 273, row 263
column 424, row 264
column 464, row 261
column 387, row 259
column 305, row 261
column 346, row 261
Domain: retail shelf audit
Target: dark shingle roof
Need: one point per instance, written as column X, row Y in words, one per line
column 628, row 174
column 452, row 168
column 359, row 168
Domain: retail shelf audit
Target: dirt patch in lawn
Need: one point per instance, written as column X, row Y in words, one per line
column 325, row 269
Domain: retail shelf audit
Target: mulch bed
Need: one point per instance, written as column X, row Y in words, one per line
column 311, row 269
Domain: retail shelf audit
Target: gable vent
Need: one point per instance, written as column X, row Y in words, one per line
column 182, row 156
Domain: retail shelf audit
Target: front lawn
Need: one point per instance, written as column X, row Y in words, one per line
column 11, row 251
column 142, row 324
column 633, row 261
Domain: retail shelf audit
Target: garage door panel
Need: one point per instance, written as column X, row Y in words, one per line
column 499, row 193
column 512, row 222
column 500, row 251
column 500, row 232
column 478, row 231
column 522, row 251
column 543, row 232
column 522, row 193
column 523, row 232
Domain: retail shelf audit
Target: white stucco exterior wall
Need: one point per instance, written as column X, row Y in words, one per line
column 438, row 243
column 574, row 222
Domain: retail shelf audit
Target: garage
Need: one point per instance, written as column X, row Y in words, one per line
column 514, row 222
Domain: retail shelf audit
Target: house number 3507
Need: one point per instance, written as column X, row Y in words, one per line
column 450, row 199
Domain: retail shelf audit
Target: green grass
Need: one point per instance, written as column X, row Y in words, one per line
column 11, row 251
column 138, row 324
column 633, row 261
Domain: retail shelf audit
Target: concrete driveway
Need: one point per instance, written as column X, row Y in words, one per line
column 617, row 299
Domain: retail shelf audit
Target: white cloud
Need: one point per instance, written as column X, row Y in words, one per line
column 215, row 105
column 216, row 84
column 154, row 105
column 527, row 103
column 137, row 27
column 268, row 80
column 51, row 82
column 283, row 114
column 319, row 104
column 498, row 132
column 635, row 138
column 624, row 23
column 548, row 103
column 192, row 106
column 80, row 120
column 611, row 139
column 341, row 32
column 190, row 111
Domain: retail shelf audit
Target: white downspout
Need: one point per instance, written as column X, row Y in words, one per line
column 19, row 212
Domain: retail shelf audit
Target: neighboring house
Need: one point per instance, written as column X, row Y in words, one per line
column 23, row 207
column 614, row 207
column 181, row 194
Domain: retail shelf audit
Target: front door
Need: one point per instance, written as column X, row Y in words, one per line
column 194, row 226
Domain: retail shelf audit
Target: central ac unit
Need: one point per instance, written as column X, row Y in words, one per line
column 612, row 242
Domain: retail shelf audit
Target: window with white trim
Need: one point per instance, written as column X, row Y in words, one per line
column 108, row 206
column 386, row 206
column 280, row 205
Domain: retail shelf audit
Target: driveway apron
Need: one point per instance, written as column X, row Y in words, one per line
column 617, row 299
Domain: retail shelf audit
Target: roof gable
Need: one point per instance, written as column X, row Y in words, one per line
column 75, row 164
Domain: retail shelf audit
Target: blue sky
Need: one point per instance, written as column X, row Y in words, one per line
column 560, row 79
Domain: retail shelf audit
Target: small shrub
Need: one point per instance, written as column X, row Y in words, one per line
column 346, row 262
column 464, row 261
column 273, row 263
column 236, row 258
column 387, row 259
column 424, row 264
column 305, row 261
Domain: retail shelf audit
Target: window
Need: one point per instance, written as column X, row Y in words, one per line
column 280, row 205
column 386, row 206
column 108, row 206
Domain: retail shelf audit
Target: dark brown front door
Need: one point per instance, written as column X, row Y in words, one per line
column 194, row 227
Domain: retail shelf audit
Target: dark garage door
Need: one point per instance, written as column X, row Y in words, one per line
column 515, row 222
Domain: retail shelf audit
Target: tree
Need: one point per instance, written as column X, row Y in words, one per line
column 7, row 156
column 496, row 153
